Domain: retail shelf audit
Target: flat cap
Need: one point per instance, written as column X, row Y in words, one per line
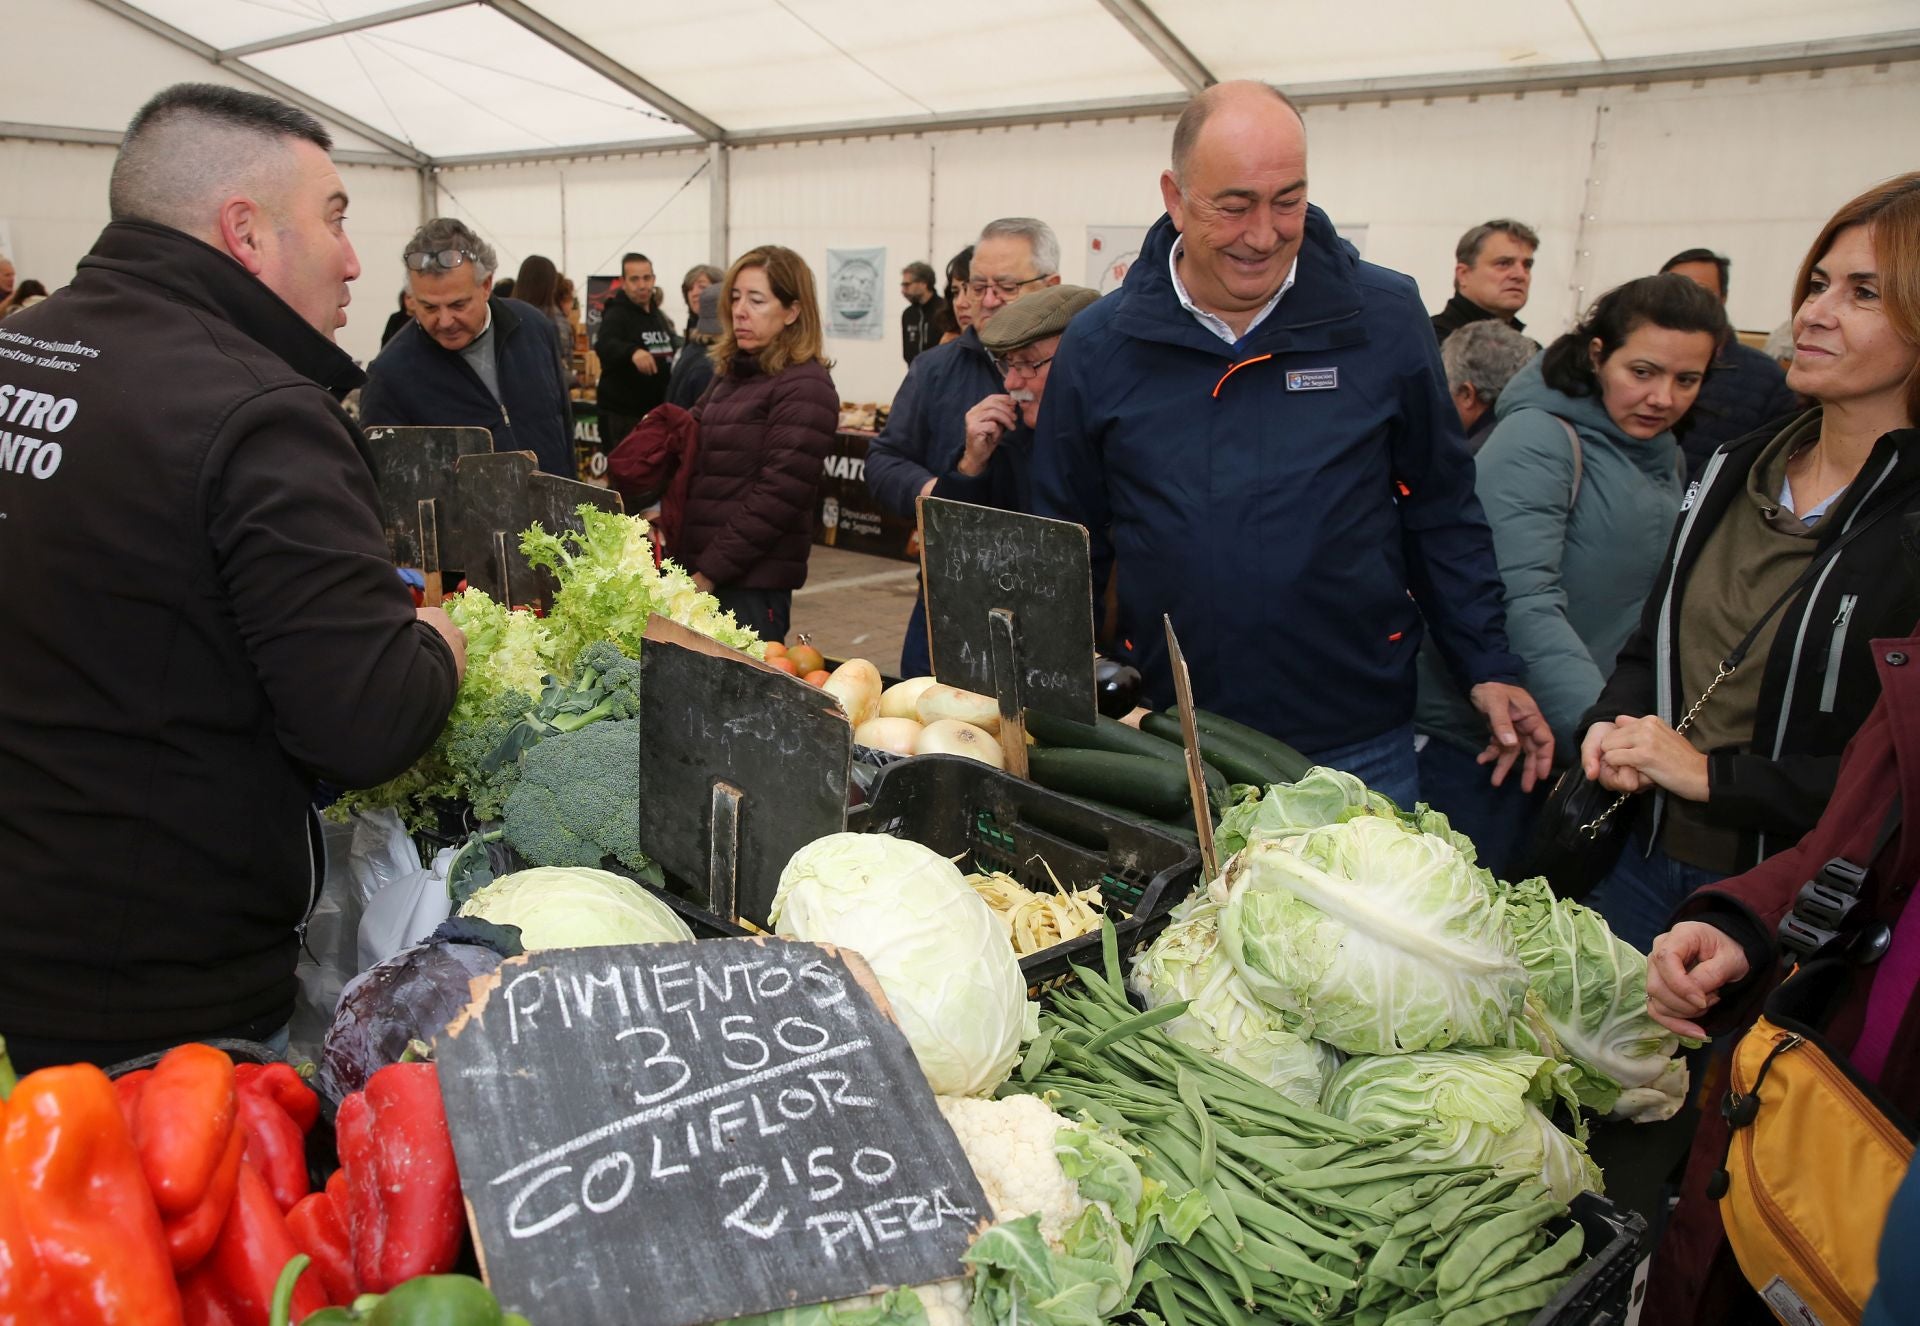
column 1046, row 312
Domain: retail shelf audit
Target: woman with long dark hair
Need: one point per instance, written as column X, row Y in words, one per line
column 1581, row 481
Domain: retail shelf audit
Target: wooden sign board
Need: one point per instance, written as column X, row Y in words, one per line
column 413, row 468
column 1196, row 769
column 977, row 561
column 669, row 1134
column 777, row 752
column 496, row 498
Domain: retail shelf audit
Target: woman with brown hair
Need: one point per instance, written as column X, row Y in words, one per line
column 1785, row 567
column 765, row 429
column 538, row 284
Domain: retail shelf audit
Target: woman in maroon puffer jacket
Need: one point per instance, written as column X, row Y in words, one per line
column 765, row 428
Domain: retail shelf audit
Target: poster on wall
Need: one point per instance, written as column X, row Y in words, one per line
column 599, row 290
column 1354, row 235
column 854, row 290
column 1110, row 251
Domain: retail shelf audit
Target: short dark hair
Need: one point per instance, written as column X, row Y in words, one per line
column 192, row 141
column 1667, row 300
column 921, row 272
column 626, row 258
column 959, row 268
column 1467, row 251
column 1720, row 264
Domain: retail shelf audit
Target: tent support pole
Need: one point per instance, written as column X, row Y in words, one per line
column 719, row 203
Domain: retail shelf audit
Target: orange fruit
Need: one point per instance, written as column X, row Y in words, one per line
column 818, row 677
column 784, row 663
column 775, row 650
column 807, row 659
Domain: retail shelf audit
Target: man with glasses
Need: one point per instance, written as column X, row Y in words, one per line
column 1256, row 428
column 919, row 451
column 1021, row 342
column 918, row 332
column 472, row 358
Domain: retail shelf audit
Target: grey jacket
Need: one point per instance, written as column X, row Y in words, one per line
column 1576, row 572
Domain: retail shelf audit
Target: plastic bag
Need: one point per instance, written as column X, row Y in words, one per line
column 405, row 910
column 381, row 853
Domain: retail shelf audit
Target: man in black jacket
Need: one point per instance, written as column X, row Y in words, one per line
column 1492, row 276
column 635, row 345
column 472, row 357
column 1744, row 389
column 917, row 329
column 200, row 617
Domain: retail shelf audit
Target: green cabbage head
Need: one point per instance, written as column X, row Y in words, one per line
column 1476, row 1106
column 575, row 907
column 1373, row 938
column 1223, row 1018
column 933, row 943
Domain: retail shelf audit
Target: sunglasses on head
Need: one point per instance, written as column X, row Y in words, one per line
column 445, row 259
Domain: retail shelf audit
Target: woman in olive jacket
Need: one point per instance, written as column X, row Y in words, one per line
column 1813, row 513
column 765, row 430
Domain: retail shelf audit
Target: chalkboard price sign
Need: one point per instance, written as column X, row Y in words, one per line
column 671, row 1134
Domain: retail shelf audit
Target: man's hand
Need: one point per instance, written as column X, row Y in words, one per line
column 1661, row 756
column 1519, row 731
column 456, row 638
column 987, row 423
column 1622, row 779
column 1686, row 971
column 645, row 362
column 701, row 583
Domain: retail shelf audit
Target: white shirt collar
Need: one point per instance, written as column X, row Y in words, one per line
column 1212, row 322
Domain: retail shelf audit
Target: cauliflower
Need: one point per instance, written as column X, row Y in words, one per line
column 1010, row 1144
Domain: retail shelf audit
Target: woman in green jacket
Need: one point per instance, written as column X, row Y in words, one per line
column 1581, row 482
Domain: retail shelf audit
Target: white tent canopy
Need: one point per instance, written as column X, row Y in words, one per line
column 1623, row 129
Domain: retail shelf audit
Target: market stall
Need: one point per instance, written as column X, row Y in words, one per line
column 696, row 980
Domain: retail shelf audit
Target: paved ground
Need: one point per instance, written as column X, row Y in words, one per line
column 855, row 606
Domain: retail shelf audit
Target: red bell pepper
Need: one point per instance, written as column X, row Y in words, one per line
column 277, row 1110
column 235, row 1283
column 184, row 1117
column 319, row 1225
column 404, row 1209
column 83, row 1242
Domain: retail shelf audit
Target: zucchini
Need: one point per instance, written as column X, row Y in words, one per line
column 1146, row 784
column 1291, row 763
column 1241, row 764
column 1105, row 734
column 1181, row 828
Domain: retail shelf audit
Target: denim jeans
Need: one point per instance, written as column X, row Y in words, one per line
column 1385, row 763
column 915, row 658
column 1641, row 891
column 1496, row 818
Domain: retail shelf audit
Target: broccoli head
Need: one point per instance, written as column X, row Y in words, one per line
column 578, row 798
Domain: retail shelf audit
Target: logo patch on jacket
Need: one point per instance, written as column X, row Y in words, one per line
column 1313, row 379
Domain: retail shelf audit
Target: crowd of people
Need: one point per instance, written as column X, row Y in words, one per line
column 1641, row 563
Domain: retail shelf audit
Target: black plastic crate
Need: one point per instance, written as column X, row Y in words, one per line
column 959, row 806
column 1601, row 1290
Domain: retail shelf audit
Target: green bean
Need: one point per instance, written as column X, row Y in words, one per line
column 1169, row 1304
column 1347, row 1177
column 1222, row 1209
column 1469, row 1252
column 1275, row 1219
column 1207, row 1281
column 1296, row 1265
column 1038, row 1054
column 1501, row 1306
column 1556, row 1257
column 1503, row 1256
column 1189, row 1091
column 1420, row 1314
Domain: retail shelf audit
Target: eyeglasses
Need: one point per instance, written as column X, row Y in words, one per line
column 1006, row 368
column 1006, row 289
column 446, row 260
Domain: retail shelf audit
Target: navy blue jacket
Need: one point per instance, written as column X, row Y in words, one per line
column 1744, row 391
column 416, row 381
column 1250, row 491
column 926, row 434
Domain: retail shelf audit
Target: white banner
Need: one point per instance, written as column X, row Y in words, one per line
column 1110, row 251
column 855, row 286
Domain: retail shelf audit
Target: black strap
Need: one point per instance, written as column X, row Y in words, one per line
column 1832, row 907
column 1800, row 582
column 1887, row 829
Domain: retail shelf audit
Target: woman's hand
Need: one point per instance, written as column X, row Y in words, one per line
column 1686, row 971
column 701, row 583
column 1628, row 781
column 1652, row 749
column 987, row 423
